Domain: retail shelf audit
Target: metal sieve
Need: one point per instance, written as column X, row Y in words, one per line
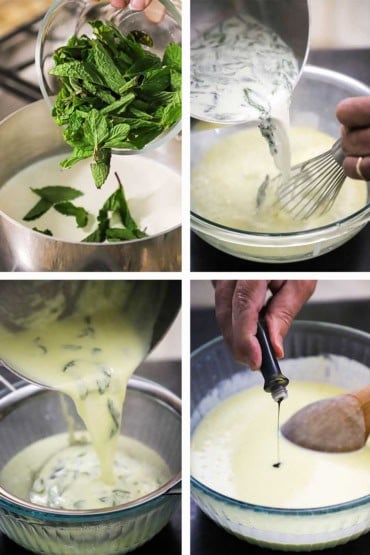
column 152, row 415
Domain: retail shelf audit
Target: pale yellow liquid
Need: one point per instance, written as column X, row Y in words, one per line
column 226, row 182
column 89, row 355
column 53, row 473
column 234, row 448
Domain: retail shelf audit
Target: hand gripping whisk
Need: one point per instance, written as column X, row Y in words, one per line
column 313, row 185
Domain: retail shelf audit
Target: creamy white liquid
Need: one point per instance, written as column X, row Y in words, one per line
column 243, row 71
column 233, row 450
column 226, row 182
column 90, row 354
column 53, row 473
column 153, row 193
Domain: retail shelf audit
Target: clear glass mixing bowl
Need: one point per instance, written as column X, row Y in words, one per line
column 66, row 18
column 152, row 414
column 215, row 376
column 314, row 103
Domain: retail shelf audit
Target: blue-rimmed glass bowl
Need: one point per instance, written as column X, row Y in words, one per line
column 151, row 414
column 215, row 376
column 313, row 105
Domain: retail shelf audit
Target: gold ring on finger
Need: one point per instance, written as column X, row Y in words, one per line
column 358, row 168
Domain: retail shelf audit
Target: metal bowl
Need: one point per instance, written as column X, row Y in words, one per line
column 151, row 414
column 314, row 102
column 30, row 134
column 215, row 376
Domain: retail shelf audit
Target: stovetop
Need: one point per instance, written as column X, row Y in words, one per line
column 18, row 80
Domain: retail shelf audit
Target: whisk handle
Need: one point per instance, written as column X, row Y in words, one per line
column 337, row 152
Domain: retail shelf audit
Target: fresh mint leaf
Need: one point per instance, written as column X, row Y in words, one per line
column 106, row 67
column 78, row 212
column 119, row 234
column 175, row 77
column 94, row 237
column 119, row 105
column 115, row 205
column 117, row 136
column 57, row 193
column 78, row 70
column 109, row 80
column 96, row 128
column 156, row 80
column 43, row 231
column 101, row 166
column 172, row 56
column 171, row 113
column 38, row 210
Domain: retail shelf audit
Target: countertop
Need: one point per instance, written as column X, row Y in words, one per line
column 168, row 374
column 352, row 256
column 206, row 537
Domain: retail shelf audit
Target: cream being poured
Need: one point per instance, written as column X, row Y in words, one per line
column 243, row 71
column 85, row 341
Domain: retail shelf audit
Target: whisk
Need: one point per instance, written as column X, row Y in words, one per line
column 313, row 185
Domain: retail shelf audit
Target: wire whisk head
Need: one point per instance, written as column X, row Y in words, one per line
column 313, row 186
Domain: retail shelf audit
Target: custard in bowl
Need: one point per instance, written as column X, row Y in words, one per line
column 231, row 209
column 311, row 500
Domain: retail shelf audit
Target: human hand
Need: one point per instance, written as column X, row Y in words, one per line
column 238, row 304
column 154, row 10
column 354, row 115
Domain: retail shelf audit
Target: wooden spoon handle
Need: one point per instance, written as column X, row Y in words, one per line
column 363, row 397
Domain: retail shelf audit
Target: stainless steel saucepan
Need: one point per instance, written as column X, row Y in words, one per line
column 30, row 134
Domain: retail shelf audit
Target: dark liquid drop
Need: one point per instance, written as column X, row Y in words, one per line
column 278, row 463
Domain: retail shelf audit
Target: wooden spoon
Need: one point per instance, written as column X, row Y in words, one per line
column 336, row 425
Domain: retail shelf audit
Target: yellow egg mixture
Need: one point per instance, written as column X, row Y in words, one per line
column 234, row 448
column 226, row 183
column 90, row 356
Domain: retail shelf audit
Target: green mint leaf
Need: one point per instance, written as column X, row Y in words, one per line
column 94, row 237
column 78, row 212
column 101, row 166
column 120, row 206
column 172, row 56
column 78, row 70
column 176, row 80
column 171, row 113
column 120, row 105
column 117, row 136
column 43, row 231
column 57, row 193
column 96, row 128
column 119, row 234
column 38, row 210
column 156, row 80
column 145, row 63
column 110, row 80
column 106, row 67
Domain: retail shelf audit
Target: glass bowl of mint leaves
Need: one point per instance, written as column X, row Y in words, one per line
column 112, row 79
